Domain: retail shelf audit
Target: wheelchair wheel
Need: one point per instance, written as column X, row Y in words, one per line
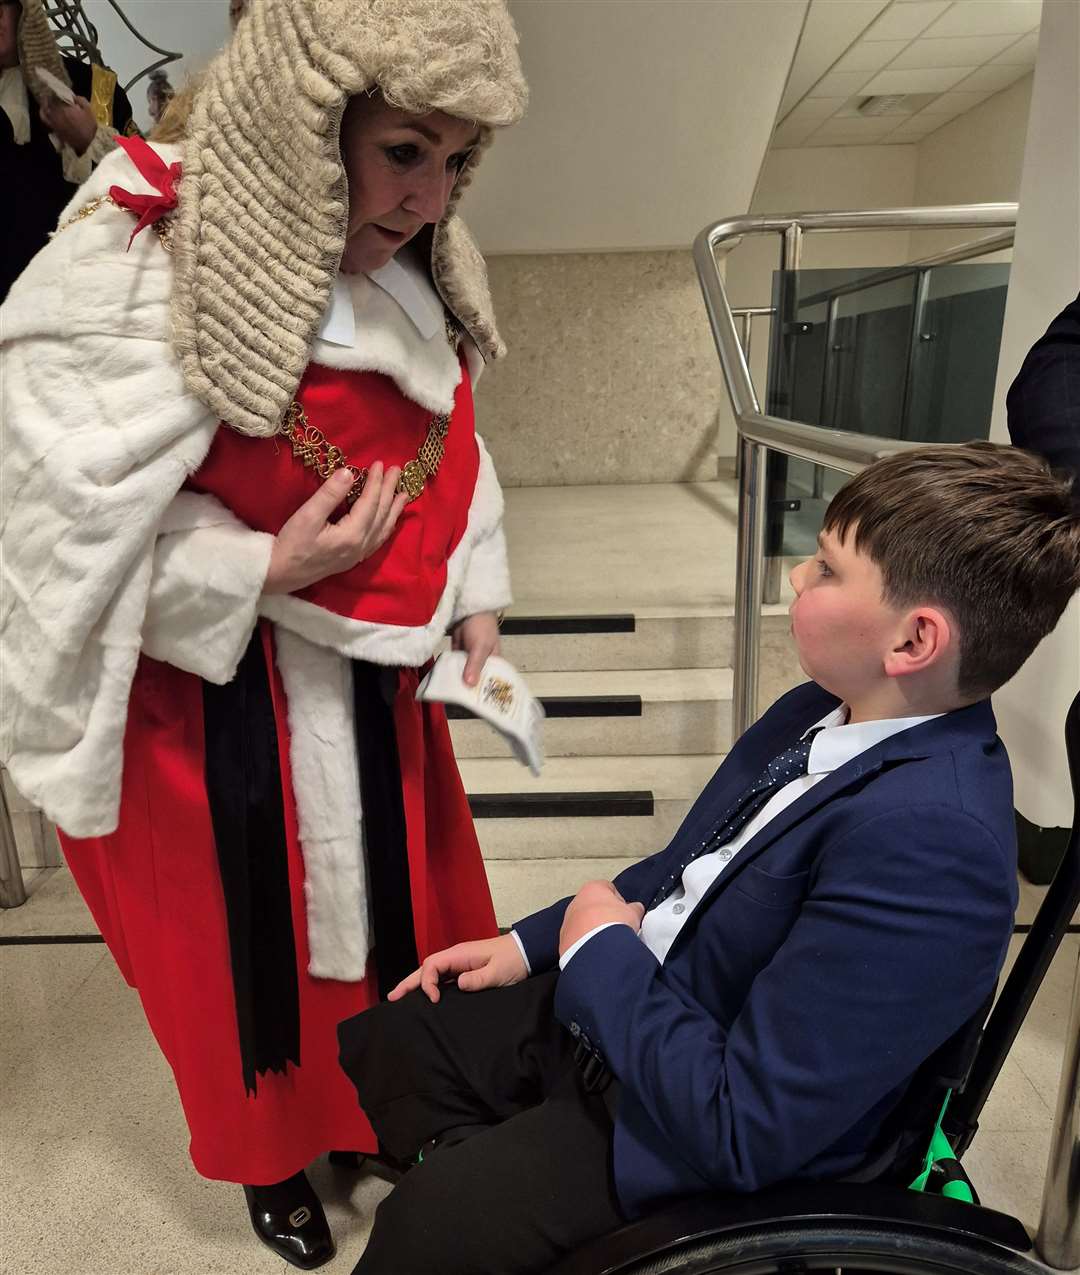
column 832, row 1247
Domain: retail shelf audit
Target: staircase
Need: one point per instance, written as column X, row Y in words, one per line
column 623, row 623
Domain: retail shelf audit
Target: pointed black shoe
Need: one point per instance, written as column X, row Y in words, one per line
column 288, row 1217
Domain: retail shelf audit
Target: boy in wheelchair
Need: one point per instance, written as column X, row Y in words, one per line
column 749, row 1005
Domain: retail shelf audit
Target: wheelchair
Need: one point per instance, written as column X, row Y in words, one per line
column 877, row 1223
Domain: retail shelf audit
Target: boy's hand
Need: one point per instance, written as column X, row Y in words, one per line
column 478, row 965
column 597, row 903
column 478, row 636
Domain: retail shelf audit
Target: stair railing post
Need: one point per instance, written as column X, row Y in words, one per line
column 1058, row 1239
column 12, row 890
column 749, row 582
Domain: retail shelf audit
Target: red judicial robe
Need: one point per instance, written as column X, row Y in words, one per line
column 154, row 885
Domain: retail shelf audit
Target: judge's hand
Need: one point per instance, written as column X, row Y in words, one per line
column 75, row 125
column 478, row 636
column 478, row 965
column 597, row 903
column 309, row 547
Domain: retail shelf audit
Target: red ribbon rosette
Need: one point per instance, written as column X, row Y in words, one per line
column 162, row 177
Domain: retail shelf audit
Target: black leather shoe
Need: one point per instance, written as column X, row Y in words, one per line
column 288, row 1217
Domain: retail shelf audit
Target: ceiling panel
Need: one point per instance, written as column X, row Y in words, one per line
column 954, row 103
column 993, row 78
column 906, row 21
column 830, row 27
column 1024, row 51
column 940, row 57
column 915, row 130
column 972, row 50
column 816, row 109
column 870, row 55
column 840, row 84
column 989, row 17
column 936, row 79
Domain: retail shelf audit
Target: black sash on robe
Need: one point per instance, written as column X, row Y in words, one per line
column 243, row 785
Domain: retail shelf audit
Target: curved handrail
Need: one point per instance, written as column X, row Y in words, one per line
column 757, row 431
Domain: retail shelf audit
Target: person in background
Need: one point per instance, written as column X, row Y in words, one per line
column 249, row 357
column 1044, row 400
column 47, row 147
column 236, row 11
column 159, row 93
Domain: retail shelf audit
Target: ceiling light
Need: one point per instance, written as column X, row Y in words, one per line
column 885, row 104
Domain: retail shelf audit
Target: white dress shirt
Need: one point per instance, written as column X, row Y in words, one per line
column 835, row 744
column 402, row 278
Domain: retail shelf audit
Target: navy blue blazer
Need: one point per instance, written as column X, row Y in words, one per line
column 850, row 938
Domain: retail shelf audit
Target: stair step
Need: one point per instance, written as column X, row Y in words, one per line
column 524, row 886
column 596, row 827
column 566, row 805
column 571, row 706
column 686, row 636
column 619, row 712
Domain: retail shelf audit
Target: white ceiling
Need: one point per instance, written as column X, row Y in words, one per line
column 945, row 56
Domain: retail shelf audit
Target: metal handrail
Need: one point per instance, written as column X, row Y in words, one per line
column 758, row 432
column 962, row 252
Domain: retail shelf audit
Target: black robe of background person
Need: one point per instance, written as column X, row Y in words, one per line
column 1043, row 406
column 34, row 189
column 1044, row 400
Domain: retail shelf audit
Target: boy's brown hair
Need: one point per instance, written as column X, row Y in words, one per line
column 985, row 531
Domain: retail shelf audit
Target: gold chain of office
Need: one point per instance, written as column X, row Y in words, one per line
column 315, row 451
column 309, row 444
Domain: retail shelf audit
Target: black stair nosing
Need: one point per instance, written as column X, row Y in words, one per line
column 37, row 940
column 632, row 803
column 545, row 625
column 573, row 706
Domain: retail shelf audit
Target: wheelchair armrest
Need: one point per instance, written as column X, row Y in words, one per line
column 703, row 1216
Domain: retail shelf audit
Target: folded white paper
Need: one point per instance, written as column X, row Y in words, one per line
column 500, row 697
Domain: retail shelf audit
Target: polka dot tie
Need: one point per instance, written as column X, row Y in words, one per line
column 780, row 771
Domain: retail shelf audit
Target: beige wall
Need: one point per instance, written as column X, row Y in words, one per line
column 645, row 117
column 612, row 375
column 974, row 159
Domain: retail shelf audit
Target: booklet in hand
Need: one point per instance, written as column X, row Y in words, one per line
column 500, row 697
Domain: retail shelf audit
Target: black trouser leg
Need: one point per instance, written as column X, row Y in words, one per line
column 472, row 1059
column 510, row 1201
column 534, row 1184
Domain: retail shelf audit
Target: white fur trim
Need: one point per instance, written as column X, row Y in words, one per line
column 486, row 586
column 77, row 168
column 208, row 576
column 405, row 646
column 387, row 341
column 99, row 433
column 326, row 785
